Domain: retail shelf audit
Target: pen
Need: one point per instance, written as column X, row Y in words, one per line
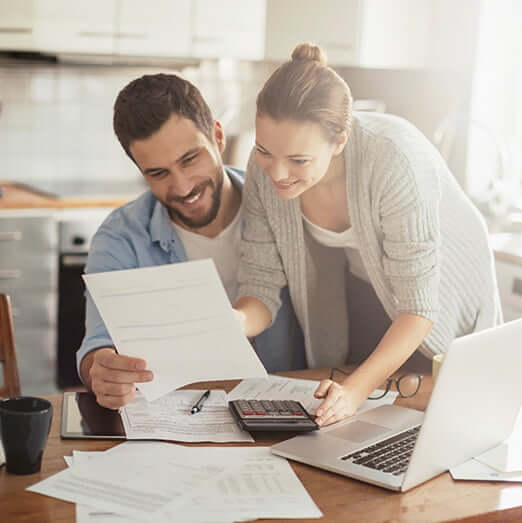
column 199, row 404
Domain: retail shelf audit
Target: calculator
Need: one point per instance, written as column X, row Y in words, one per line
column 274, row 415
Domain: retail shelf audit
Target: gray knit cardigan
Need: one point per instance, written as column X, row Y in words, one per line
column 423, row 243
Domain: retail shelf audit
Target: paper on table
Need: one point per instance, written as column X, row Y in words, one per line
column 506, row 457
column 133, row 478
column 475, row 470
column 169, row 418
column 89, row 514
column 178, row 318
column 261, row 485
column 281, row 388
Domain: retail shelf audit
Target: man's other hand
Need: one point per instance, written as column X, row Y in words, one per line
column 112, row 377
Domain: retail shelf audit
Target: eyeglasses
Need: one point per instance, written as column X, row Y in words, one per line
column 407, row 385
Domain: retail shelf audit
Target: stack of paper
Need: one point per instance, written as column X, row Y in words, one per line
column 169, row 418
column 162, row 482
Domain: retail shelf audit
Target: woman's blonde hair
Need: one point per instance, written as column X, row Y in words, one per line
column 306, row 89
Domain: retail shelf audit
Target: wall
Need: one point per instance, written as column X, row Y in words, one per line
column 56, row 124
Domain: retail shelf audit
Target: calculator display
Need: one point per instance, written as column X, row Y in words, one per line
column 273, row 415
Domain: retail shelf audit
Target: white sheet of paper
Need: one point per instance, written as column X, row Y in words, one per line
column 260, row 485
column 281, row 388
column 133, row 478
column 169, row 418
column 178, row 318
column 475, row 470
column 89, row 514
column 506, row 457
column 254, row 484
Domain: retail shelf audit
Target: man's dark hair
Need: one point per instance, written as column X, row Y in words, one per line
column 146, row 103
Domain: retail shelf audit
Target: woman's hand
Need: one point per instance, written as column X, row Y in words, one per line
column 341, row 402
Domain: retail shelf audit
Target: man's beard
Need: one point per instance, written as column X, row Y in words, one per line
column 210, row 216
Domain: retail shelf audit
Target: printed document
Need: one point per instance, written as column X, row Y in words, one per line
column 205, row 484
column 169, row 418
column 177, row 318
column 134, row 478
column 281, row 388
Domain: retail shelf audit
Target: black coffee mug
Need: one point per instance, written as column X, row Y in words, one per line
column 24, row 427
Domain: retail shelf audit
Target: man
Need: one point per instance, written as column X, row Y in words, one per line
column 191, row 211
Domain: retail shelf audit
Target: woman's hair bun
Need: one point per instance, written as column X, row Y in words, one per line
column 307, row 51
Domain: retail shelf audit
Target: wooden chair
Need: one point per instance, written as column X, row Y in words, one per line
column 11, row 386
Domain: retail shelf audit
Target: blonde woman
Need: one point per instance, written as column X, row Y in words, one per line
column 384, row 255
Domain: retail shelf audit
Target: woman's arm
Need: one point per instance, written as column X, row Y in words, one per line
column 402, row 338
column 253, row 315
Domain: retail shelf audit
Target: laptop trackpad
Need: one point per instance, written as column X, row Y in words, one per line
column 358, row 431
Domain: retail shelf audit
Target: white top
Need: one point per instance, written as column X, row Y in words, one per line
column 223, row 249
column 346, row 240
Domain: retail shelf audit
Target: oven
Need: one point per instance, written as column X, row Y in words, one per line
column 76, row 229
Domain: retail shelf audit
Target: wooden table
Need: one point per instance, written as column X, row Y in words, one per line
column 339, row 498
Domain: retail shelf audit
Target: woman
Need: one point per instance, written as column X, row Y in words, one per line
column 328, row 189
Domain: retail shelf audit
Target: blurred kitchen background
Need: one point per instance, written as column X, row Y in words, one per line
column 451, row 67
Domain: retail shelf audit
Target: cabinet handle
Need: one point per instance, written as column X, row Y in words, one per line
column 10, row 236
column 140, row 36
column 95, row 34
column 16, row 30
column 8, row 274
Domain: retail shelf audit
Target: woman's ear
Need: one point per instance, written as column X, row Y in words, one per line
column 219, row 136
column 340, row 143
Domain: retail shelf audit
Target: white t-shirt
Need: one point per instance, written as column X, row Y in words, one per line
column 223, row 249
column 346, row 240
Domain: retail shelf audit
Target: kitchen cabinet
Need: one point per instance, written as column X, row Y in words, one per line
column 362, row 33
column 161, row 29
column 63, row 26
column 230, row 29
column 17, row 25
column 113, row 27
column 29, row 273
column 334, row 25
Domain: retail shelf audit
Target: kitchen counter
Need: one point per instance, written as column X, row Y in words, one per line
column 21, row 196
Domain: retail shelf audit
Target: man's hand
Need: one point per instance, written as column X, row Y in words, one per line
column 112, row 377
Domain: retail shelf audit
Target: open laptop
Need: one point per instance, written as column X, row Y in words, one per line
column 473, row 407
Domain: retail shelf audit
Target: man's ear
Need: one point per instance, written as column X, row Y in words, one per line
column 340, row 143
column 219, row 136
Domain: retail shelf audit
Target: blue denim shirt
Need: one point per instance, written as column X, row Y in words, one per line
column 139, row 234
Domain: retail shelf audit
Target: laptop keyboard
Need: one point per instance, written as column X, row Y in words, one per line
column 390, row 455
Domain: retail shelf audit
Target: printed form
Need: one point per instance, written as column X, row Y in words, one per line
column 205, row 484
column 179, row 320
column 169, row 418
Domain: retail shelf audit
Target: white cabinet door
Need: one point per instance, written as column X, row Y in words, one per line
column 228, row 29
column 16, row 25
column 63, row 26
column 153, row 28
column 332, row 24
column 394, row 35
